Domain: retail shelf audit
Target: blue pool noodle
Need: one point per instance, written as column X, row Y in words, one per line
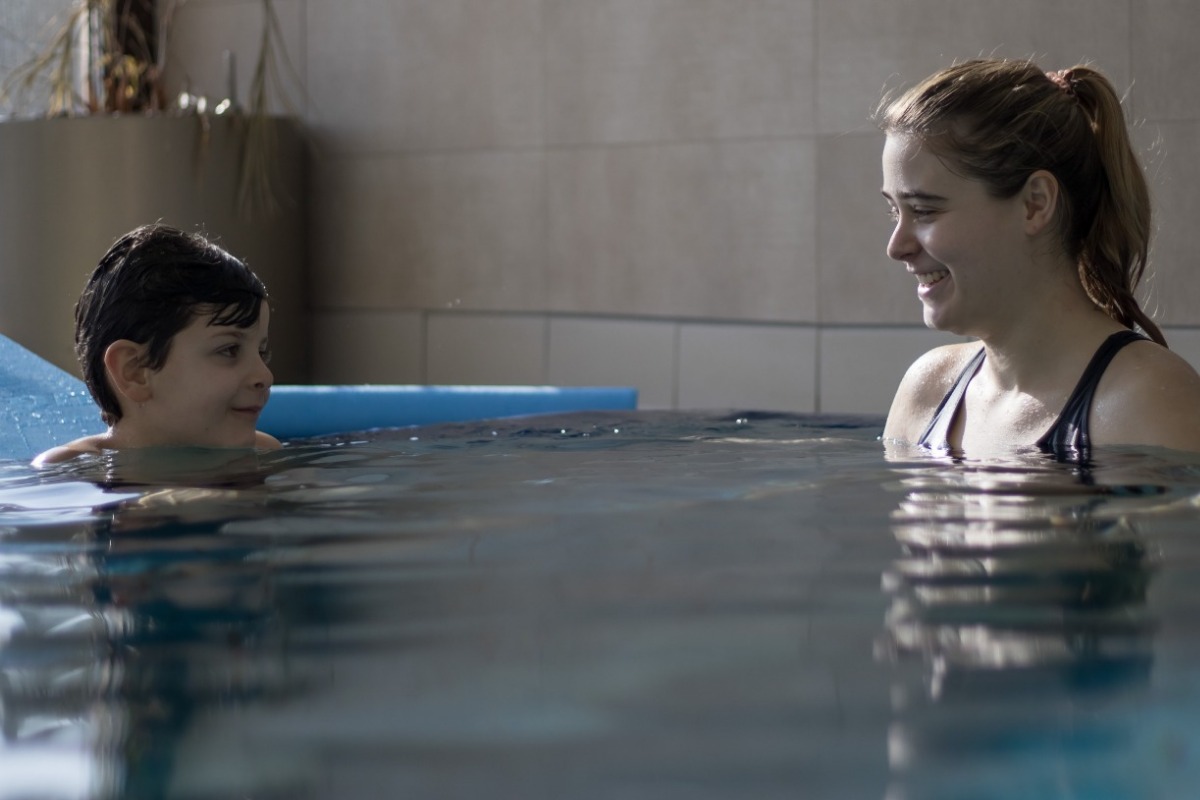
column 42, row 406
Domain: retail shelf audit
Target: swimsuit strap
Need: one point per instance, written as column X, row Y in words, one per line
column 937, row 433
column 1070, row 436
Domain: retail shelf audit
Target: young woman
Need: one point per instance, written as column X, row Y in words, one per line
column 1023, row 216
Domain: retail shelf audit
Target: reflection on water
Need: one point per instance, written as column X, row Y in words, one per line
column 633, row 605
column 1023, row 591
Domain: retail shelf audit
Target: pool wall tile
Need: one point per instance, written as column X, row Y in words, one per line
column 714, row 230
column 655, row 70
column 859, row 284
column 1171, row 151
column 860, row 368
column 1185, row 342
column 369, row 347
column 866, row 46
column 405, row 75
column 747, row 367
column 432, row 232
column 619, row 169
column 1164, row 44
column 488, row 349
column 608, row 352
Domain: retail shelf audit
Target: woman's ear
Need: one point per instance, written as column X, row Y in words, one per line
column 1040, row 197
column 128, row 375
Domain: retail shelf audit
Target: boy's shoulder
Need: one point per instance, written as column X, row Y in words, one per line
column 87, row 445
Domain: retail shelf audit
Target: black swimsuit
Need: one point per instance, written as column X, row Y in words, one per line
column 1068, row 437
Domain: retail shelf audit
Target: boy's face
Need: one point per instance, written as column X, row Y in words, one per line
column 211, row 388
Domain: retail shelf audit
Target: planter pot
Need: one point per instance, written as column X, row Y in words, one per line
column 71, row 187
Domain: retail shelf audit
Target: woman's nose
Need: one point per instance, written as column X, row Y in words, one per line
column 902, row 244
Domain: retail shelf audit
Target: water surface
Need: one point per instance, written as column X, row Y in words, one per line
column 625, row 604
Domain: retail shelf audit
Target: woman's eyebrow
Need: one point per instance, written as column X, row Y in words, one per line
column 927, row 197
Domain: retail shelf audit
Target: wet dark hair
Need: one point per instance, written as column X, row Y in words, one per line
column 999, row 121
column 148, row 287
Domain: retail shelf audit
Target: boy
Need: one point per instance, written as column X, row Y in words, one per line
column 171, row 335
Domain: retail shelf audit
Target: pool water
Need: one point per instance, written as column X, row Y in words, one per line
column 620, row 604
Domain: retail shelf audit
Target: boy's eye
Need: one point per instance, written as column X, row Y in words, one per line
column 230, row 350
column 265, row 355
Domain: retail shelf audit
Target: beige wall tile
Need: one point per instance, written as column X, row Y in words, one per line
column 1174, row 175
column 615, row 352
column 486, row 349
column 717, row 230
column 859, row 284
column 648, row 70
column 446, row 231
column 369, row 347
column 201, row 32
column 1164, row 61
column 750, row 367
column 866, row 45
column 403, row 75
column 861, row 367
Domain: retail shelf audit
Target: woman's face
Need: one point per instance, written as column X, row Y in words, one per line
column 966, row 249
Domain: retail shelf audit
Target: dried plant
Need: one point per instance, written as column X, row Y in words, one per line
column 122, row 45
column 120, row 72
column 254, row 185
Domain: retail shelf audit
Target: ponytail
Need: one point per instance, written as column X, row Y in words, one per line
column 1114, row 249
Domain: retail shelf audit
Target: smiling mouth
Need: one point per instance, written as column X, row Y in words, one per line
column 930, row 278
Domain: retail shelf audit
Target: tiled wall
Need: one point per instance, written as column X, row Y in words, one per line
column 676, row 194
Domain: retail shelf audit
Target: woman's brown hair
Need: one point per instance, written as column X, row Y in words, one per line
column 999, row 121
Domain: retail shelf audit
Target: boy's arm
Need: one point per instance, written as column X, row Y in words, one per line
column 65, row 452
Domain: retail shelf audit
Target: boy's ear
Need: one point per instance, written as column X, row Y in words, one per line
column 1040, row 197
column 128, row 375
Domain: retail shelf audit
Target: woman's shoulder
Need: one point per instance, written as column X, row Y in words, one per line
column 924, row 386
column 1149, row 395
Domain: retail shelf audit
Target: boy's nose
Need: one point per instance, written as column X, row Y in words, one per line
column 263, row 377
